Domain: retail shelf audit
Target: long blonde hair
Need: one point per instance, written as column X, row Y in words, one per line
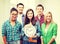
column 46, row 15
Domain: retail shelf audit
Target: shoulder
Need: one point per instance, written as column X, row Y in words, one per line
column 6, row 22
column 43, row 25
column 18, row 22
column 54, row 24
column 37, row 22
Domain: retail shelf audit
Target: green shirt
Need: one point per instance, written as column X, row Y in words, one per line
column 52, row 31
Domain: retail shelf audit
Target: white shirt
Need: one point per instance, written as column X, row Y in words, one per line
column 19, row 18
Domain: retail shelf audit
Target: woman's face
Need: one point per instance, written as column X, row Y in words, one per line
column 48, row 18
column 30, row 15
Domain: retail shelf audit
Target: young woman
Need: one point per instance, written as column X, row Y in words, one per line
column 49, row 30
column 31, row 30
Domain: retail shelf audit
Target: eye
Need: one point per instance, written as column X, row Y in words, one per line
column 14, row 14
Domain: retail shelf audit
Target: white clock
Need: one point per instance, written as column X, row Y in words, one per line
column 29, row 30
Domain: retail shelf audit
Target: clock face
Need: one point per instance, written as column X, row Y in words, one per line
column 29, row 30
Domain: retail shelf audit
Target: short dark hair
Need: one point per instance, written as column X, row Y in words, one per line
column 20, row 4
column 40, row 5
column 13, row 9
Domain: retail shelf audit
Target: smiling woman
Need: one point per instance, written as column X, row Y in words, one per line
column 49, row 27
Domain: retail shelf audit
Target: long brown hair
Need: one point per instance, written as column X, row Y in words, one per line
column 27, row 21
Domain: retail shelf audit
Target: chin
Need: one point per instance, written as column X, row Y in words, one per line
column 48, row 20
column 14, row 19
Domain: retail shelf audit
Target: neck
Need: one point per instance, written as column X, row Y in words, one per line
column 30, row 22
column 48, row 23
column 39, row 16
column 12, row 21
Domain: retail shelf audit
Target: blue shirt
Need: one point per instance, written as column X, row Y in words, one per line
column 11, row 33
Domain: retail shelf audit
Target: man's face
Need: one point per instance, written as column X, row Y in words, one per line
column 39, row 10
column 13, row 15
column 20, row 8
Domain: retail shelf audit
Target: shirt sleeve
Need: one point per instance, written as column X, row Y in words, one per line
column 4, row 30
column 54, row 37
column 42, row 26
column 55, row 30
column 38, row 29
column 22, row 32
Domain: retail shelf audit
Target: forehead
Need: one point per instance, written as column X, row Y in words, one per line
column 20, row 5
column 14, row 12
column 29, row 11
column 48, row 14
column 39, row 7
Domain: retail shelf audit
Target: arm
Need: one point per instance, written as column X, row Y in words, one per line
column 41, row 35
column 52, row 40
column 42, row 40
column 38, row 29
column 4, row 34
column 4, row 39
column 54, row 34
column 22, row 32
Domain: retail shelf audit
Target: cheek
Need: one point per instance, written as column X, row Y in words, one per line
column 11, row 16
column 30, row 16
column 14, row 17
column 39, row 11
column 48, row 19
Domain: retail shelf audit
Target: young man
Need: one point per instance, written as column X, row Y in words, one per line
column 11, row 29
column 40, row 17
column 21, row 16
column 20, row 8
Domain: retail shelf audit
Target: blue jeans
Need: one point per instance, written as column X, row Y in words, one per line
column 32, row 43
column 14, row 42
column 25, row 42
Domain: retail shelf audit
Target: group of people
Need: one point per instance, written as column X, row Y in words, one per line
column 29, row 29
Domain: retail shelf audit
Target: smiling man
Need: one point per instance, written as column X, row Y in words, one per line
column 11, row 29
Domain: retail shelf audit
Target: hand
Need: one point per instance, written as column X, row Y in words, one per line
column 31, row 40
column 4, row 39
column 34, row 36
column 49, row 43
column 42, row 43
column 4, row 42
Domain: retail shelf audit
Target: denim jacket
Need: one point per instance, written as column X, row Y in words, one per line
column 38, row 32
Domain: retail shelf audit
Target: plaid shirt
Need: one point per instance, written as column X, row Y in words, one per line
column 41, row 20
column 11, row 33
